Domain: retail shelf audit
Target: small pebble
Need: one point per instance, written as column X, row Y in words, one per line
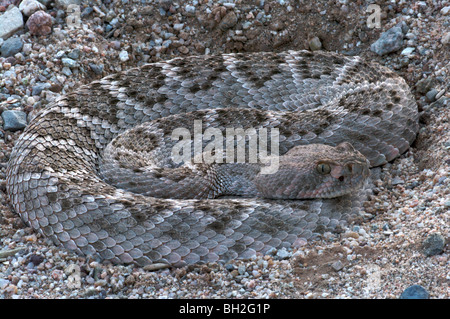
column 415, row 292
column 431, row 95
column 11, row 46
column 123, row 56
column 98, row 69
column 424, row 85
column 407, row 51
column 283, row 254
column 32, row 77
column 14, row 120
column 40, row 23
column 228, row 21
column 70, row 63
column 337, row 265
column 315, row 44
column 74, row 54
column 433, row 244
column 189, row 9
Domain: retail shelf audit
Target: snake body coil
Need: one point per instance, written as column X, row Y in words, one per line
column 54, row 180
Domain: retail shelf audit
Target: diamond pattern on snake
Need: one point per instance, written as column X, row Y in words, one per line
column 95, row 172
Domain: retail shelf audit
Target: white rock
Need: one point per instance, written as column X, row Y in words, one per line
column 10, row 22
column 189, row 9
column 178, row 26
column 123, row 56
column 407, row 51
column 445, row 10
column 28, row 7
column 27, row 48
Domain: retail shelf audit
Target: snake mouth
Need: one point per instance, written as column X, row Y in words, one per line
column 343, row 186
column 342, row 180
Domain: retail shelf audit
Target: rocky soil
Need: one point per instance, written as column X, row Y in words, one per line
column 400, row 250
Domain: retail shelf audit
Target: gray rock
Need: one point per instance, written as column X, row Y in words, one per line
column 241, row 270
column 230, row 267
column 70, row 63
column 433, row 244
column 389, row 41
column 74, row 54
column 337, row 265
column 431, row 95
column 403, row 26
column 14, row 120
column 283, row 254
column 38, row 88
column 441, row 102
column 425, row 85
column 228, row 21
column 97, row 69
column 3, row 283
column 315, row 44
column 178, row 26
column 415, row 292
column 86, row 12
column 66, row 71
column 397, row 181
column 11, row 21
column 10, row 47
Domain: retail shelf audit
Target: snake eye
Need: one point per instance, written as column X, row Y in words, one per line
column 323, row 168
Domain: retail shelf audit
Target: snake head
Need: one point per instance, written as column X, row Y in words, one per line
column 316, row 171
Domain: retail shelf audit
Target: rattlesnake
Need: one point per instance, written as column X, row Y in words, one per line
column 55, row 183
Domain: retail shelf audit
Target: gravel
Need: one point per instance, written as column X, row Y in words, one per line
column 379, row 256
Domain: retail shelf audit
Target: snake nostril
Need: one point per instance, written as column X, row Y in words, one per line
column 341, row 178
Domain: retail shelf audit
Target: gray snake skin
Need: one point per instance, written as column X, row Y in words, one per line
column 55, row 183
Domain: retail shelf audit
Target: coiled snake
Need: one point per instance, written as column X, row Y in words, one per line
column 57, row 173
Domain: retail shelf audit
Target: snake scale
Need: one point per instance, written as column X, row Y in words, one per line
column 55, row 181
